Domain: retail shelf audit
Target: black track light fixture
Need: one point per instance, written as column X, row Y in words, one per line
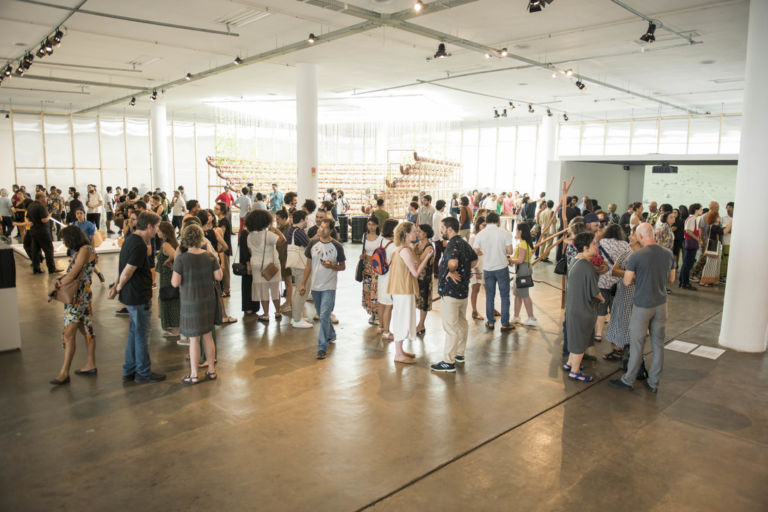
column 649, row 36
column 538, row 5
column 530, row 109
column 504, row 52
column 8, row 70
column 511, row 106
column 418, row 5
column 565, row 117
column 20, row 70
column 580, row 85
column 237, row 61
column 132, row 102
column 7, row 116
column 57, row 37
column 496, row 114
column 504, row 113
column 311, row 39
column 188, row 77
column 26, row 62
column 441, row 53
column 153, row 97
column 41, row 52
column 48, row 45
column 549, row 112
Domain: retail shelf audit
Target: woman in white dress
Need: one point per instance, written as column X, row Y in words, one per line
column 476, row 281
column 263, row 239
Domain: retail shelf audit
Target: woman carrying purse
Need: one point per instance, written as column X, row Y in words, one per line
column 265, row 264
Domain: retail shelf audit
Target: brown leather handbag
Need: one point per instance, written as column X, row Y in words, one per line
column 66, row 292
column 270, row 270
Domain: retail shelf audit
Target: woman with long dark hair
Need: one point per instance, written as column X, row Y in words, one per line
column 170, row 309
column 77, row 316
column 522, row 259
column 424, row 249
column 371, row 242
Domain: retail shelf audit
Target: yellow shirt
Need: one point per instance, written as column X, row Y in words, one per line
column 528, row 252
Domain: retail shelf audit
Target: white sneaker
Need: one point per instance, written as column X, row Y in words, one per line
column 301, row 324
column 531, row 322
column 334, row 320
column 515, row 320
column 183, row 340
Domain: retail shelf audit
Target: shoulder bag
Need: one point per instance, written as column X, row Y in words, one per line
column 270, row 270
column 66, row 292
column 295, row 258
column 561, row 267
column 360, row 265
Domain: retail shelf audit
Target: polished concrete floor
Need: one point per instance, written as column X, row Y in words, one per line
column 280, row 430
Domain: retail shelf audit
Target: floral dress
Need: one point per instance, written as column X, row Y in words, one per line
column 424, row 297
column 82, row 307
column 370, row 281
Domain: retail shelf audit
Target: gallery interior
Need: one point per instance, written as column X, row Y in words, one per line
column 618, row 102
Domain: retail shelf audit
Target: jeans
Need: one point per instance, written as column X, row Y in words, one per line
column 136, row 348
column 492, row 278
column 641, row 321
column 324, row 302
column 689, row 259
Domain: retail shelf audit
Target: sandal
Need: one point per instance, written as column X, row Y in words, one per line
column 496, row 313
column 225, row 295
column 263, row 318
column 228, row 320
column 579, row 376
column 476, row 316
column 387, row 336
column 278, row 316
column 613, row 355
column 421, row 332
column 204, row 364
column 189, row 380
column 211, row 375
column 598, row 339
column 567, row 367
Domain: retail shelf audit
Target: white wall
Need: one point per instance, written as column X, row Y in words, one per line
column 691, row 184
column 6, row 154
column 608, row 183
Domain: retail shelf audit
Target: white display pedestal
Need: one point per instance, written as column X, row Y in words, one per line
column 10, row 338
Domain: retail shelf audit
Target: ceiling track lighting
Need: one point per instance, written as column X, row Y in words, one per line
column 549, row 112
column 237, row 61
column 153, row 97
column 57, row 37
column 8, row 70
column 580, row 85
column 418, row 5
column 511, row 106
column 132, row 102
column 41, row 52
column 26, row 62
column 20, row 70
column 496, row 114
column 565, row 117
column 487, row 55
column 649, row 36
column 537, row 5
column 504, row 52
column 311, row 39
column 48, row 45
column 568, row 72
column 504, row 113
column 188, row 77
column 530, row 109
column 441, row 53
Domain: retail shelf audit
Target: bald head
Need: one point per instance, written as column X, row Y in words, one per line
column 644, row 233
column 40, row 197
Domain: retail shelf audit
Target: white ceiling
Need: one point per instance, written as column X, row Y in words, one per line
column 357, row 73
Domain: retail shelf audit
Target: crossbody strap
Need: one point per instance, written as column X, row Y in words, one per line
column 605, row 253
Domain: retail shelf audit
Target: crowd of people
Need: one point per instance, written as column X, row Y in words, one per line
column 618, row 268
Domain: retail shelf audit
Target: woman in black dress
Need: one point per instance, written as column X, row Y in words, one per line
column 249, row 306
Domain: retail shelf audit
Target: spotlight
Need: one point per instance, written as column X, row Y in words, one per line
column 153, row 97
column 538, row 5
column 565, row 117
column 504, row 113
column 530, row 109
column 132, row 102
column 7, row 116
column 311, row 39
column 41, row 51
column 648, row 37
column 549, row 112
column 580, row 85
column 554, row 74
column 237, row 61
column 57, row 37
column 20, row 70
column 188, row 77
column 26, row 62
column 511, row 106
column 8, row 70
column 487, row 55
column 496, row 114
column 48, row 47
column 568, row 72
column 441, row 53
column 504, row 52
column 418, row 5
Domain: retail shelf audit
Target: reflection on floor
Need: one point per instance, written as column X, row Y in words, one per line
column 280, row 430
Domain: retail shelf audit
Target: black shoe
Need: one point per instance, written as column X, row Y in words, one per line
column 37, row 271
column 110, row 232
column 92, row 371
column 508, row 327
column 129, row 377
column 332, row 340
column 689, row 287
column 459, row 359
column 56, row 382
column 489, row 326
column 55, row 271
column 321, row 354
column 152, row 377
column 101, row 277
column 122, row 312
column 442, row 366
column 651, row 388
column 618, row 383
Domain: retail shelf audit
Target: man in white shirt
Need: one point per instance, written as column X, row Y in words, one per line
column 109, row 206
column 244, row 204
column 726, row 221
column 494, row 244
column 437, row 220
column 342, row 205
column 94, row 203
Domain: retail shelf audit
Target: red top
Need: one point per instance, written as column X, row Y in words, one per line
column 226, row 198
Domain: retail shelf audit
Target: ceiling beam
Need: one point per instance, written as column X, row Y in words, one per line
column 74, row 10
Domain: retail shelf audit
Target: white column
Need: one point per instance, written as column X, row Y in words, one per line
column 160, row 172
column 545, row 153
column 306, row 131
column 745, row 311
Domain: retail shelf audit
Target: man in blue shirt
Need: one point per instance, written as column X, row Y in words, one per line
column 275, row 199
column 86, row 226
column 453, row 286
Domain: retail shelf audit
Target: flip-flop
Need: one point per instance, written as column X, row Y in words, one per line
column 228, row 320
